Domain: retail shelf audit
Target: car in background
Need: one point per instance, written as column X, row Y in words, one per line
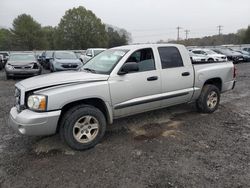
column 22, row 64
column 64, row 60
column 45, row 59
column 5, row 57
column 246, row 49
column 1, row 62
column 198, row 57
column 233, row 56
column 212, row 55
column 245, row 54
column 90, row 53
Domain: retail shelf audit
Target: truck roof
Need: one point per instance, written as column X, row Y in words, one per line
column 137, row 46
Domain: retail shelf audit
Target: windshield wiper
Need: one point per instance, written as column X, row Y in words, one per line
column 90, row 70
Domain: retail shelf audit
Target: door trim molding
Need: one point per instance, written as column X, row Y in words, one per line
column 139, row 101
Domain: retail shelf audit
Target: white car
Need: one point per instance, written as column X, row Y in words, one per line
column 90, row 53
column 198, row 57
column 212, row 56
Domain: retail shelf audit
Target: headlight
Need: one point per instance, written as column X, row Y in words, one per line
column 37, row 102
column 10, row 67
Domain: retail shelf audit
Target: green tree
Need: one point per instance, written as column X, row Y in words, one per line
column 49, row 36
column 80, row 29
column 115, row 39
column 27, row 33
column 5, row 39
column 246, row 37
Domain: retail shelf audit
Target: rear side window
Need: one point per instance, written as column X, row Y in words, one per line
column 170, row 57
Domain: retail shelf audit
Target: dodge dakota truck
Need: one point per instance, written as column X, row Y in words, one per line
column 119, row 82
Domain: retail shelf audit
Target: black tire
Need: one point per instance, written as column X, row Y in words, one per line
column 72, row 116
column 51, row 68
column 203, row 103
column 8, row 77
column 210, row 60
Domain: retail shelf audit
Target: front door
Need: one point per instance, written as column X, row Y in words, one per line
column 136, row 92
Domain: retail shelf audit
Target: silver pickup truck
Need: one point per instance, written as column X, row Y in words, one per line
column 119, row 82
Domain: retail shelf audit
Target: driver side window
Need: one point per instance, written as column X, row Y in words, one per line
column 144, row 58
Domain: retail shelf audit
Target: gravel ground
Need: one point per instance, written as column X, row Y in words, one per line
column 173, row 147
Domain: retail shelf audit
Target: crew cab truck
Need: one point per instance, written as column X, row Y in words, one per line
column 119, row 82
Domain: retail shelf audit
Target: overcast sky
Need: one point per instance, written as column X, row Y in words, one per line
column 146, row 20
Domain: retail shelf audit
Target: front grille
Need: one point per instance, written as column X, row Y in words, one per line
column 22, row 67
column 69, row 66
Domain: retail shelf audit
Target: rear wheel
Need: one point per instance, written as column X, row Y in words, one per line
column 209, row 99
column 82, row 127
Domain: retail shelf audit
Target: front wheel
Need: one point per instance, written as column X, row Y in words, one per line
column 82, row 127
column 209, row 99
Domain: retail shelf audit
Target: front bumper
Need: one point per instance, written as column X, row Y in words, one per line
column 22, row 72
column 28, row 122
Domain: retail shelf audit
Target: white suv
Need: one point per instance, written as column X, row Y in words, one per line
column 212, row 56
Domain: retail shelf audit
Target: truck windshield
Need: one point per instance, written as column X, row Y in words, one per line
column 104, row 62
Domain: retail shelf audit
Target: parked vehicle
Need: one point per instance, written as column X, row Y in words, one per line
column 212, row 55
column 1, row 62
column 234, row 56
column 247, row 49
column 90, row 53
column 64, row 60
column 5, row 57
column 198, row 57
column 45, row 59
column 119, row 82
column 245, row 54
column 22, row 64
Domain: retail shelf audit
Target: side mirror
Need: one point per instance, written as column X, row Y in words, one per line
column 129, row 67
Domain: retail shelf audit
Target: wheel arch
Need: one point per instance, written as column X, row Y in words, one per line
column 96, row 102
column 214, row 81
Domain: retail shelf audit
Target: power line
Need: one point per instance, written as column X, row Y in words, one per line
column 178, row 33
column 187, row 32
column 219, row 28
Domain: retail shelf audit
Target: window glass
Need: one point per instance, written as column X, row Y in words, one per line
column 144, row 58
column 22, row 57
column 104, row 62
column 170, row 57
column 65, row 55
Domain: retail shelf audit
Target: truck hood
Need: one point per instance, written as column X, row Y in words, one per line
column 61, row 78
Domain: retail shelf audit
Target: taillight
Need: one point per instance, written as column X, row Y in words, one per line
column 234, row 72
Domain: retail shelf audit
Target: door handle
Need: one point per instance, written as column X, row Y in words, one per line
column 185, row 74
column 152, row 78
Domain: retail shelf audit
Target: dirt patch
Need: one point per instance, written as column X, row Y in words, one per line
column 155, row 130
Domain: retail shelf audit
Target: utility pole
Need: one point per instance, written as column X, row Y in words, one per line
column 219, row 28
column 178, row 33
column 187, row 32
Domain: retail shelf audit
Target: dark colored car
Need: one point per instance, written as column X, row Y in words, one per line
column 1, row 62
column 64, row 60
column 5, row 57
column 246, row 49
column 45, row 59
column 245, row 54
column 233, row 56
column 22, row 64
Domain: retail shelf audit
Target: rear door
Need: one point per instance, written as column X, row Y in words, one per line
column 177, row 76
